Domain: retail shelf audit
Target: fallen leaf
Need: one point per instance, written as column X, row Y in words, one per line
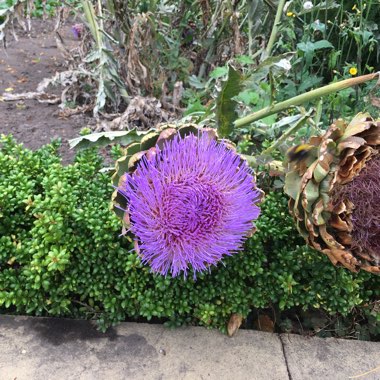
column 9, row 89
column 234, row 323
column 264, row 323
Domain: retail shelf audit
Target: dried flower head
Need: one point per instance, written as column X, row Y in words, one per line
column 190, row 203
column 335, row 193
column 364, row 193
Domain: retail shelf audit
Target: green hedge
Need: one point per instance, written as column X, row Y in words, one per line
column 61, row 255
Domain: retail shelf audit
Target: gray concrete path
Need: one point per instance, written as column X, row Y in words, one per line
column 50, row 349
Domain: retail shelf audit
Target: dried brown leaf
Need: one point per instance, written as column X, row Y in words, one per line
column 234, row 323
column 265, row 323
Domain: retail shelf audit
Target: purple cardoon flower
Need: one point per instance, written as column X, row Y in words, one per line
column 190, row 204
column 77, row 30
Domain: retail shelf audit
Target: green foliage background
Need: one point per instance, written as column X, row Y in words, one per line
column 61, row 255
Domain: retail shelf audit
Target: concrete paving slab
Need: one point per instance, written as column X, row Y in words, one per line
column 331, row 359
column 54, row 349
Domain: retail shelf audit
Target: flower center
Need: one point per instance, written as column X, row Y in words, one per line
column 190, row 209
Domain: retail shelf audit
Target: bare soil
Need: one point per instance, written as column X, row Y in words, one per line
column 22, row 66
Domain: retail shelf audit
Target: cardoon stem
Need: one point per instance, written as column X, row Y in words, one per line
column 273, row 35
column 304, row 98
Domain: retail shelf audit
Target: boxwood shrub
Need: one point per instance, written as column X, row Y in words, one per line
column 61, row 255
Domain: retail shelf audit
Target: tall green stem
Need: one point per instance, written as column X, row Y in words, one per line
column 304, row 98
column 274, row 32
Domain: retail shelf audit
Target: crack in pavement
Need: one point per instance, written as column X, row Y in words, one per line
column 285, row 358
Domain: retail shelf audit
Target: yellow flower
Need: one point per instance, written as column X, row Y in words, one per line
column 353, row 71
column 289, row 14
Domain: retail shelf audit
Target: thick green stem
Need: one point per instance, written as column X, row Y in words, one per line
column 304, row 98
column 274, row 32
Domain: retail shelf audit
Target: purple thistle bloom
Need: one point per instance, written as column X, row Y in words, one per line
column 190, row 204
column 77, row 30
